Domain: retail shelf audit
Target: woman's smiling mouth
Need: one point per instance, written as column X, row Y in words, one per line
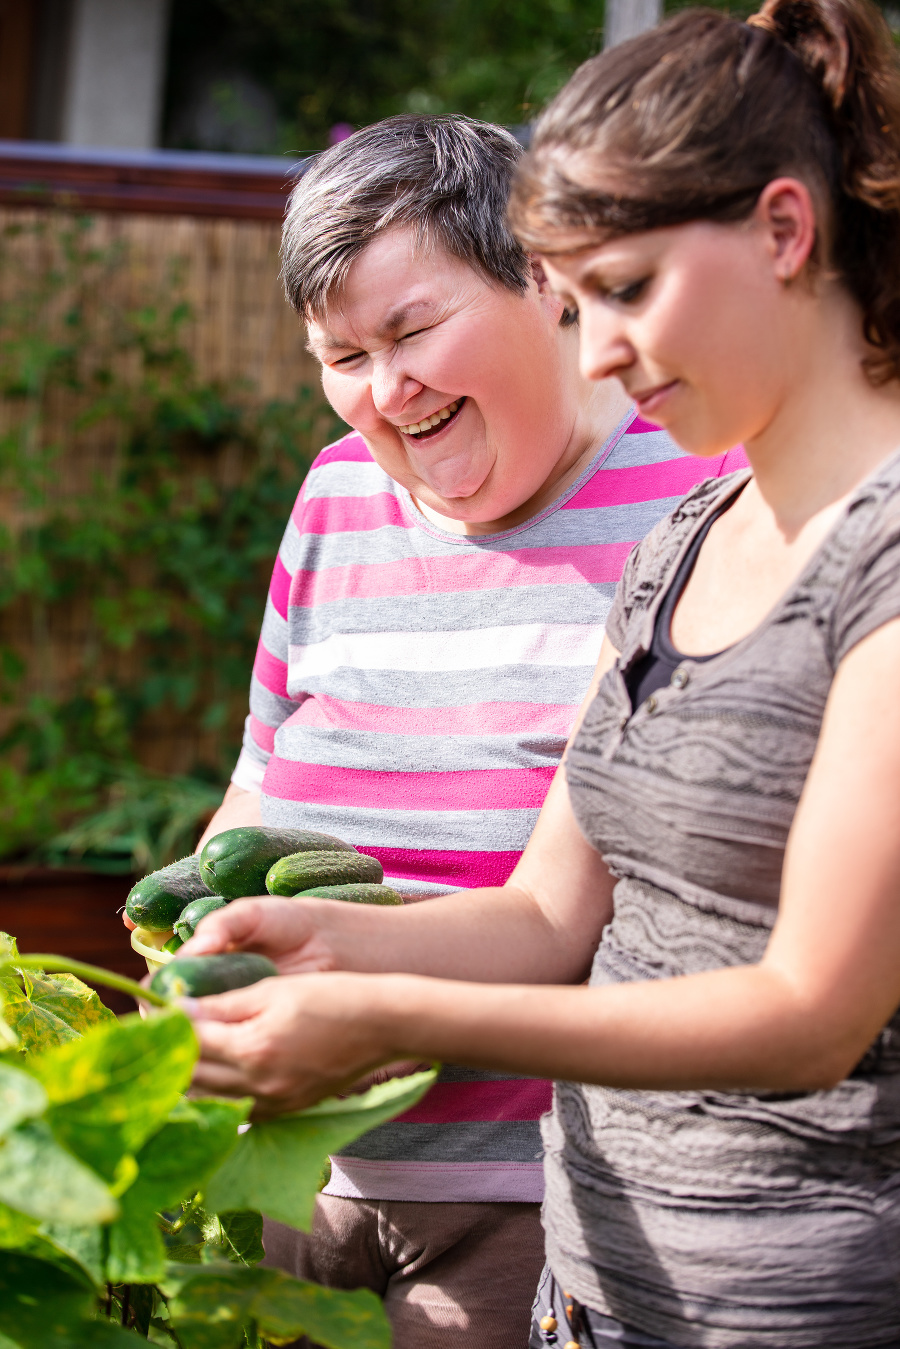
column 436, row 421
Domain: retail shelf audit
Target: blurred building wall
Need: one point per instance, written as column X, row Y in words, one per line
column 115, row 73
column 84, row 72
column 627, row 18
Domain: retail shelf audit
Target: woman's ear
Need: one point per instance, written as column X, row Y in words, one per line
column 786, row 211
column 553, row 304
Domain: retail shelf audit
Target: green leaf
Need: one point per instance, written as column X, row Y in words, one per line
column 212, row 1307
column 39, row 1301
column 234, row 1236
column 84, row 1245
column 172, row 1165
column 42, row 1179
column 21, row 1097
column 15, row 1228
column 112, row 1089
column 276, row 1166
column 43, row 1010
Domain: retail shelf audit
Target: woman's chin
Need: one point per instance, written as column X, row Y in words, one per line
column 451, row 495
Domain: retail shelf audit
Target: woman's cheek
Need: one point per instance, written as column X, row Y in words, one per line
column 349, row 398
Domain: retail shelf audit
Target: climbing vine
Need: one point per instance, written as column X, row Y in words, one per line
column 141, row 511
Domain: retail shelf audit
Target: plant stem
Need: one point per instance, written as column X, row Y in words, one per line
column 63, row 965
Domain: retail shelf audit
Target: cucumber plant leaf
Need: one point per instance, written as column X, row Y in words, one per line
column 234, row 1236
column 84, row 1245
column 114, row 1088
column 276, row 1165
column 39, row 1302
column 21, row 1097
column 43, row 1180
column 172, row 1165
column 211, row 1306
column 16, row 1229
column 43, row 1010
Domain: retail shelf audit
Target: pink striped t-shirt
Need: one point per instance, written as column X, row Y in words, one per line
column 412, row 693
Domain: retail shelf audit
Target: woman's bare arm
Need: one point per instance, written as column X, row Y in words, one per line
column 238, row 807
column 800, row 1019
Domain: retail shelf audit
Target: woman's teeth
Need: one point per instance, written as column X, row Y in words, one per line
column 415, row 428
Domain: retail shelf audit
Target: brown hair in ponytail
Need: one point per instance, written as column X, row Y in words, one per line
column 692, row 120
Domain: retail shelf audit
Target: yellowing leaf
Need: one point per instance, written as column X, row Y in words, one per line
column 43, row 1010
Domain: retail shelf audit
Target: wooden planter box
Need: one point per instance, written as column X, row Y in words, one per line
column 71, row 913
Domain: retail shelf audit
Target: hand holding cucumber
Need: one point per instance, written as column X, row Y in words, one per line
column 290, row 1041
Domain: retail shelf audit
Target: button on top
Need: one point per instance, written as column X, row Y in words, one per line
column 652, row 703
column 680, row 678
column 623, row 722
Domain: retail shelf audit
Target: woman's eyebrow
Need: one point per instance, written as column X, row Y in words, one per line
column 399, row 318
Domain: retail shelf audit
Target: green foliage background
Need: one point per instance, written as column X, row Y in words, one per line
column 359, row 60
column 151, row 571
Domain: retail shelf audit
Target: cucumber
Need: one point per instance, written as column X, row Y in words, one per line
column 186, row 923
column 199, row 976
column 304, row 870
column 234, row 863
column 157, row 900
column 174, row 944
column 353, row 894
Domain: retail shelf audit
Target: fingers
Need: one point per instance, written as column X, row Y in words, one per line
column 129, row 922
column 288, row 931
column 286, row 1041
column 239, row 1004
column 265, row 924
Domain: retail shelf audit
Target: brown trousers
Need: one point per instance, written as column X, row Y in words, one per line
column 450, row 1275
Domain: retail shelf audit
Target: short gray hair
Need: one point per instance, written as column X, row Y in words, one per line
column 447, row 177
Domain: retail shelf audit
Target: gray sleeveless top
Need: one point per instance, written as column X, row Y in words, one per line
column 707, row 1218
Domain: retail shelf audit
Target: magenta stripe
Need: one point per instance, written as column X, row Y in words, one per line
column 351, row 449
column 336, row 515
column 639, row 426
column 593, row 563
column 646, row 482
column 476, row 719
column 270, row 671
column 733, row 460
column 465, row 869
column 491, row 788
column 467, row 1102
column 280, row 587
column 262, row 734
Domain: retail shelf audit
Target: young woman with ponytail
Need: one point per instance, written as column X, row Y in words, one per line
column 720, row 853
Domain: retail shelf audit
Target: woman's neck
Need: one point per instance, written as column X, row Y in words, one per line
column 832, row 429
column 596, row 409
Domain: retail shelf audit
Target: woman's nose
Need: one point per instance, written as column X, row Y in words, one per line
column 392, row 389
column 604, row 349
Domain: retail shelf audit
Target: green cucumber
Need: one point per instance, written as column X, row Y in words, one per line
column 304, row 870
column 199, row 976
column 234, row 863
column 174, row 944
column 353, row 894
column 157, row 900
column 186, row 923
